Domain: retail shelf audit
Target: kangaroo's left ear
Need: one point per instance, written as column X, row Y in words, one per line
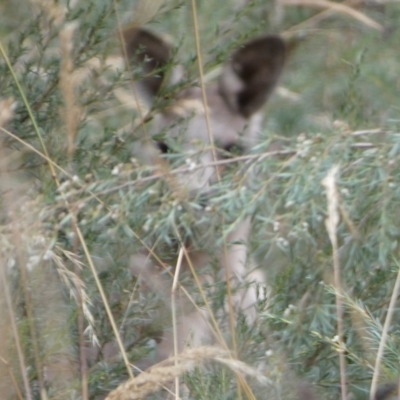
column 252, row 73
column 146, row 49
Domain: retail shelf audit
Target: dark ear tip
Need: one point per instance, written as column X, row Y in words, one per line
column 149, row 51
column 272, row 43
column 136, row 37
column 257, row 65
column 274, row 40
column 131, row 35
column 134, row 32
column 267, row 51
column 276, row 45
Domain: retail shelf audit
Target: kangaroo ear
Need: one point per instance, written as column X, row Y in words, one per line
column 250, row 76
column 151, row 52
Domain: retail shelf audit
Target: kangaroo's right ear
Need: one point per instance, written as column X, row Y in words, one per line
column 252, row 73
column 151, row 52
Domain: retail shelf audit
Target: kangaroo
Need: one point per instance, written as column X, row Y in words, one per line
column 247, row 80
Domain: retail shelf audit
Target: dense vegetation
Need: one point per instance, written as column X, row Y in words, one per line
column 77, row 195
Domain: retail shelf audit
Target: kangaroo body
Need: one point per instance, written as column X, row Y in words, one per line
column 232, row 105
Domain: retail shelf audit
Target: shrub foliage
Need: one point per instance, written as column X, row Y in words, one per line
column 78, row 197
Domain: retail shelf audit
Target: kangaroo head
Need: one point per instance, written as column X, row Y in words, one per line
column 247, row 80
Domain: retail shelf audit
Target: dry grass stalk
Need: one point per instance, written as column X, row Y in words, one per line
column 156, row 377
column 26, row 246
column 12, row 326
column 8, row 326
column 18, row 394
column 71, row 111
column 317, row 18
column 341, row 8
column 174, row 318
column 202, row 85
column 386, row 327
column 217, row 172
column 11, row 344
column 331, row 223
column 242, row 384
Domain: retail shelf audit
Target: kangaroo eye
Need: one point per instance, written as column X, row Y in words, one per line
column 162, row 146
